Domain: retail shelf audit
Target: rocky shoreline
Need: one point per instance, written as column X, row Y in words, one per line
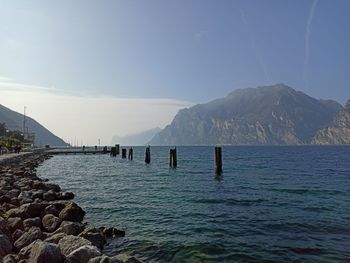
column 41, row 223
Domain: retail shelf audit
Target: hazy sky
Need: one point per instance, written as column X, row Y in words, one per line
column 130, row 65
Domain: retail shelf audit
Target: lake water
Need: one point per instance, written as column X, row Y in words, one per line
column 271, row 204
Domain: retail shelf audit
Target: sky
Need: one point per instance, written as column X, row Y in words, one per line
column 92, row 69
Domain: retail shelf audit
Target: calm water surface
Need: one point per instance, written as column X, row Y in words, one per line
column 271, row 204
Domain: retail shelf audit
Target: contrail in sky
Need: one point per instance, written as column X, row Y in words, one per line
column 307, row 40
column 258, row 56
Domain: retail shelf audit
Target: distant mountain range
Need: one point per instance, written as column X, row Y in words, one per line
column 271, row 115
column 14, row 121
column 137, row 139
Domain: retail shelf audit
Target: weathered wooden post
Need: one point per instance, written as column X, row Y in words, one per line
column 131, row 154
column 113, row 151
column 173, row 158
column 218, row 160
column 148, row 154
column 105, row 149
column 117, row 146
column 123, row 153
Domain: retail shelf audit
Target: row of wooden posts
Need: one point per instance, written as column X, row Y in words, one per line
column 172, row 159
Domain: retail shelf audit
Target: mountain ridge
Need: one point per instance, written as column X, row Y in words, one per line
column 271, row 115
column 338, row 131
column 14, row 121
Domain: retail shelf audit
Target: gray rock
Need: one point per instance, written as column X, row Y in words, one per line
column 43, row 252
column 11, row 258
column 70, row 228
column 49, row 196
column 70, row 243
column 18, row 212
column 17, row 234
column 4, row 228
column 55, row 238
column 25, row 251
column 5, row 245
column 95, row 236
column 15, row 223
column 30, row 222
column 13, row 193
column 83, row 254
column 28, row 237
column 50, row 222
column 72, row 212
column 51, row 209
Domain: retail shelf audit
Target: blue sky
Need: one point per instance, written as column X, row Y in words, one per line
column 188, row 50
column 183, row 50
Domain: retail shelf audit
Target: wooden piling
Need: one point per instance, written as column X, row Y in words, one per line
column 117, row 146
column 148, row 154
column 123, row 153
column 113, row 151
column 173, row 158
column 131, row 154
column 218, row 160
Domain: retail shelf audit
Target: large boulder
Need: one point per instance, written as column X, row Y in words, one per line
column 28, row 237
column 70, row 243
column 72, row 212
column 55, row 238
column 51, row 209
column 4, row 228
column 95, row 236
column 50, row 222
column 15, row 223
column 5, row 245
column 70, row 228
column 30, row 222
column 83, row 254
column 25, row 251
column 18, row 212
column 50, row 195
column 44, row 252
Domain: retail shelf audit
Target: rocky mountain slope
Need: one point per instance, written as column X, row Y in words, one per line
column 338, row 131
column 270, row 115
column 14, row 121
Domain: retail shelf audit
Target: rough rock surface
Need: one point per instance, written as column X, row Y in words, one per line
column 44, row 252
column 338, row 131
column 5, row 245
column 72, row 212
column 83, row 254
column 28, row 237
column 50, row 222
column 70, row 243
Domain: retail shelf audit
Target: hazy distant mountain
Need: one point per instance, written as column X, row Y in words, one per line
column 265, row 115
column 140, row 139
column 338, row 131
column 14, row 121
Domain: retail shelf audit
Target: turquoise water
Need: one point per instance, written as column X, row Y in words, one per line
column 270, row 204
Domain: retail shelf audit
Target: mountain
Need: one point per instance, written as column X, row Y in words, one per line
column 14, row 121
column 338, row 131
column 136, row 139
column 271, row 115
